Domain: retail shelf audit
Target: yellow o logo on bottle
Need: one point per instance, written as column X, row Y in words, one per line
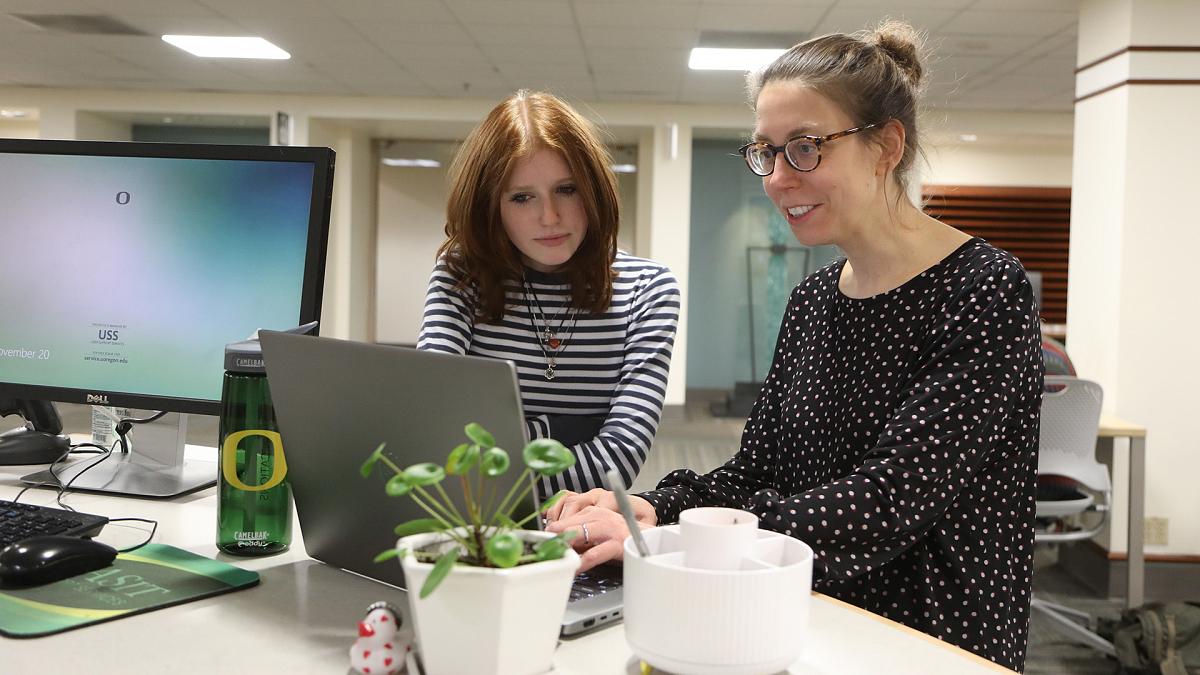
column 229, row 459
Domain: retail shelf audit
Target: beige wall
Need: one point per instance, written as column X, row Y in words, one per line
column 1030, row 149
column 18, row 129
column 977, row 164
column 412, row 208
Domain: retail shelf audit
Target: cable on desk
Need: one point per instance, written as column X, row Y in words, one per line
column 153, row 529
column 58, row 484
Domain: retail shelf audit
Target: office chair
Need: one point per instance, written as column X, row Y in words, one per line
column 1067, row 460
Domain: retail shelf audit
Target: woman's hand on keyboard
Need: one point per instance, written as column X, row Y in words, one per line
column 599, row 526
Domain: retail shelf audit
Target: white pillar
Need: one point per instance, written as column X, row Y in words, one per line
column 664, row 223
column 1132, row 321
column 347, row 306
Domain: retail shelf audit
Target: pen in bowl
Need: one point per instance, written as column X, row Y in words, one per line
column 635, row 531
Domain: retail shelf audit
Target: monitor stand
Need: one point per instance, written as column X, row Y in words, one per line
column 155, row 467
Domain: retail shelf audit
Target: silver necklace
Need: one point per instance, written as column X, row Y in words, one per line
column 548, row 336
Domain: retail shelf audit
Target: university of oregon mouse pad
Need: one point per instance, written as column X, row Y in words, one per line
column 148, row 578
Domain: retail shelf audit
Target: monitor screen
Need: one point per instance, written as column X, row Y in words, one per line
column 127, row 267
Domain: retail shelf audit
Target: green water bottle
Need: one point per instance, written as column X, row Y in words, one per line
column 254, row 500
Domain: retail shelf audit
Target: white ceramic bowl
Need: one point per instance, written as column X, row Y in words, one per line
column 746, row 621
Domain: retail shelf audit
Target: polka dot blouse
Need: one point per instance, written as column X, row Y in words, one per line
column 897, row 436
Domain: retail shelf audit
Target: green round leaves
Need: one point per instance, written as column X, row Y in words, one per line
column 461, row 459
column 423, row 474
column 397, row 486
column 553, row 549
column 494, row 462
column 504, row 549
column 480, row 435
column 548, row 457
column 368, row 465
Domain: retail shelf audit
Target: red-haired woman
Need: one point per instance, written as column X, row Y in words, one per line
column 530, row 272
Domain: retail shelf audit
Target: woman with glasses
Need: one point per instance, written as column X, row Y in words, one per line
column 530, row 272
column 897, row 430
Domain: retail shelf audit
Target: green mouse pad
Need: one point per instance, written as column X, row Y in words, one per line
column 149, row 578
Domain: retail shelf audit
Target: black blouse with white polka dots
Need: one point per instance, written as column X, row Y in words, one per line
column 897, row 436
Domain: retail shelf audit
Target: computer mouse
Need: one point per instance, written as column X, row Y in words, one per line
column 47, row 558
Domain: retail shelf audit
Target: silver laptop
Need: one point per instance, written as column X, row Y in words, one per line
column 336, row 400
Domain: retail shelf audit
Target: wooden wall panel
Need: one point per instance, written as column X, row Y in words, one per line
column 1034, row 224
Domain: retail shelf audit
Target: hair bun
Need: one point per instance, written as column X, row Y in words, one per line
column 903, row 44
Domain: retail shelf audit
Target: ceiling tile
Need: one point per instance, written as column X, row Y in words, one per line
column 267, row 9
column 183, row 25
column 391, row 11
column 959, row 68
column 1063, row 101
column 637, row 15
column 849, row 19
column 1032, row 87
column 1028, row 5
column 179, row 8
column 883, row 7
column 798, row 18
column 638, row 57
column 535, row 55
column 521, row 12
column 294, row 33
column 523, row 35
column 635, row 80
column 1037, row 24
column 399, row 86
column 484, row 89
column 953, row 45
column 999, row 53
column 639, row 38
column 437, row 70
column 433, row 35
column 626, row 96
column 516, row 71
column 403, row 52
column 568, row 82
column 46, row 7
column 714, row 87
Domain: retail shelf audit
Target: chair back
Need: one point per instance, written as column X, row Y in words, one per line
column 1069, row 426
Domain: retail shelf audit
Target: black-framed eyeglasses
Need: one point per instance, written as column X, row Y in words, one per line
column 803, row 153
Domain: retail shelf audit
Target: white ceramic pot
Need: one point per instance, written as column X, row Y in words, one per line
column 483, row 620
column 750, row 620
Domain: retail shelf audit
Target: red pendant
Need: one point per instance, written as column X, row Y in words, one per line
column 554, row 343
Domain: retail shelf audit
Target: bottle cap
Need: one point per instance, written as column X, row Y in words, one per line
column 246, row 356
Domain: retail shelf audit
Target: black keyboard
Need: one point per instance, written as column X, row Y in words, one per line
column 21, row 521
column 596, row 581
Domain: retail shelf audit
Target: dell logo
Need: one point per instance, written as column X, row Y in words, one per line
column 97, row 398
column 108, row 334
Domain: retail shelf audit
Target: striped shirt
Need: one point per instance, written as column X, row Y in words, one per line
column 611, row 365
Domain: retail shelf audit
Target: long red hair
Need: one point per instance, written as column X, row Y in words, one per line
column 477, row 249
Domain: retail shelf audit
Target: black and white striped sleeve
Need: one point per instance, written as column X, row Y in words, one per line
column 448, row 320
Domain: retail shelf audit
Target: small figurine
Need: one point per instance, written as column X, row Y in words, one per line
column 383, row 644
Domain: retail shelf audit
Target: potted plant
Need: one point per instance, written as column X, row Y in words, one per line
column 500, row 590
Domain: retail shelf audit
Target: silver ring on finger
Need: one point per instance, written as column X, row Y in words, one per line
column 587, row 540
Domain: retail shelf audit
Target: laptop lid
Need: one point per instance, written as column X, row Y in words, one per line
column 336, row 400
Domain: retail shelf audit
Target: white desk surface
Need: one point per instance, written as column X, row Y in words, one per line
column 1113, row 426
column 302, row 617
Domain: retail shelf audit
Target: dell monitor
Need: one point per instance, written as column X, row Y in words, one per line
column 127, row 268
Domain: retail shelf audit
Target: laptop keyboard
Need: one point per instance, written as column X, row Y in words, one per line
column 21, row 521
column 596, row 581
